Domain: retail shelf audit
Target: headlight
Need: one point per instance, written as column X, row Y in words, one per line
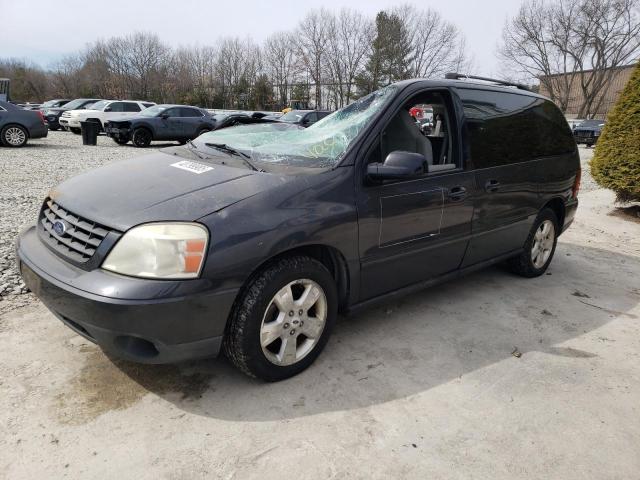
column 160, row 250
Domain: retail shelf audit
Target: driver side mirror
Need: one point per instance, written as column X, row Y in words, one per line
column 107, row 109
column 399, row 165
column 164, row 115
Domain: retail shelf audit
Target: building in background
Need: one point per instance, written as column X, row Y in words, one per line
column 602, row 103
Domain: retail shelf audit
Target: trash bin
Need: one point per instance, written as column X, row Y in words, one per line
column 89, row 132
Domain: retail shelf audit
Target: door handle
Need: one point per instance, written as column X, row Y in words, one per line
column 457, row 193
column 492, row 186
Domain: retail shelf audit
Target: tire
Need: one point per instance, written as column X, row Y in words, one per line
column 55, row 129
column 260, row 330
column 539, row 247
column 141, row 138
column 77, row 131
column 14, row 136
column 121, row 141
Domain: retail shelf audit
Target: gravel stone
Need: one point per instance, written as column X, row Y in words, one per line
column 27, row 175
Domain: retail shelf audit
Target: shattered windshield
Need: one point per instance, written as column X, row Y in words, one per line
column 321, row 145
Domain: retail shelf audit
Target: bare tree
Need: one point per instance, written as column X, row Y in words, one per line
column 312, row 39
column 572, row 42
column 349, row 35
column 281, row 63
column 438, row 46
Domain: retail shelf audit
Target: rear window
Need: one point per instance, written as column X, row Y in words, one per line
column 131, row 107
column 505, row 128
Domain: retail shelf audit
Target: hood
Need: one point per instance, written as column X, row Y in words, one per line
column 153, row 188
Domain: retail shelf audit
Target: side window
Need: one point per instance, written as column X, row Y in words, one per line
column 425, row 124
column 190, row 112
column 131, row 107
column 311, row 118
column 506, row 128
column 116, row 107
column 172, row 112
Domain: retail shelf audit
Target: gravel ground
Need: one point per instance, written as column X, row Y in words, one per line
column 30, row 172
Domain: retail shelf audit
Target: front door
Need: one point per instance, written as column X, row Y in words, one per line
column 414, row 230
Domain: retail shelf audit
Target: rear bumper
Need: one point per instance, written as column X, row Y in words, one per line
column 569, row 213
column 39, row 131
column 139, row 320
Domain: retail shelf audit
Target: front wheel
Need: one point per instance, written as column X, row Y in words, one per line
column 539, row 247
column 283, row 320
column 121, row 141
column 141, row 138
column 13, row 136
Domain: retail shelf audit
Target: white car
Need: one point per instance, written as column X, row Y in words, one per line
column 101, row 112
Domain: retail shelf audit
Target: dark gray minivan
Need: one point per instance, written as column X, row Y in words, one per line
column 251, row 239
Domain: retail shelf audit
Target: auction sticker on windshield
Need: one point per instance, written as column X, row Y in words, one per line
column 193, row 167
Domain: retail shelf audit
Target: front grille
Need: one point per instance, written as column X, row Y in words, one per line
column 79, row 239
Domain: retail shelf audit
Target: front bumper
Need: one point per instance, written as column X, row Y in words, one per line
column 147, row 321
column 69, row 122
column 53, row 121
column 115, row 131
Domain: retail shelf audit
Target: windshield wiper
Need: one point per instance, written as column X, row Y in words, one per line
column 223, row 147
column 193, row 148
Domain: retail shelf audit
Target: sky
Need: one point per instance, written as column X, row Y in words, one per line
column 43, row 31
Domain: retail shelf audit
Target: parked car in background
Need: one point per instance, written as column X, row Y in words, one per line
column 160, row 122
column 224, row 120
column 102, row 111
column 252, row 243
column 56, row 103
column 18, row 125
column 305, row 118
column 588, row 132
column 273, row 116
column 574, row 122
column 52, row 114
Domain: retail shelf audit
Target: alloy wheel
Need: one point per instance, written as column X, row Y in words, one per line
column 293, row 322
column 543, row 241
column 15, row 136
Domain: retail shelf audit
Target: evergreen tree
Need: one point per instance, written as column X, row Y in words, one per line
column 616, row 161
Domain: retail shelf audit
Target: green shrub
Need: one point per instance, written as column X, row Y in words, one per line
column 616, row 161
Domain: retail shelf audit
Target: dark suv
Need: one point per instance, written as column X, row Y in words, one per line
column 588, row 132
column 251, row 240
column 304, row 118
column 161, row 122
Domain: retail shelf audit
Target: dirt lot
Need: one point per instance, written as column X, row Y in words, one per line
column 425, row 387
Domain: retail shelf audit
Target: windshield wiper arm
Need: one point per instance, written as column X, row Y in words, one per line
column 193, row 148
column 223, row 147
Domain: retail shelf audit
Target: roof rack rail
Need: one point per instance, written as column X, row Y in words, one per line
column 460, row 76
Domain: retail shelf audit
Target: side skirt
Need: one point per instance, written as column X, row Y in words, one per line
column 428, row 283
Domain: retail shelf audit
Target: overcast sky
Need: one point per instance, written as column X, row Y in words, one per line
column 42, row 31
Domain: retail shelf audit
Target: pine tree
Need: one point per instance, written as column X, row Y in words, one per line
column 616, row 161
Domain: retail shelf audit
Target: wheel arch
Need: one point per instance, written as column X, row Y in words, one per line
column 558, row 207
column 329, row 256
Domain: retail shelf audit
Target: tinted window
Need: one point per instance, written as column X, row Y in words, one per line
column 504, row 128
column 190, row 112
column 116, row 107
column 131, row 107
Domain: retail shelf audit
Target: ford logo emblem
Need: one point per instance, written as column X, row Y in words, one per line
column 60, row 227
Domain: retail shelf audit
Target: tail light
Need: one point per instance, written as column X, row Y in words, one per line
column 40, row 115
column 576, row 183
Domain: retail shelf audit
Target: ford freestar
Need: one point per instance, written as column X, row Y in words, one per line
column 251, row 240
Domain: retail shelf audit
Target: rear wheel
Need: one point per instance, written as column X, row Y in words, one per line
column 283, row 320
column 141, row 137
column 539, row 247
column 13, row 136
